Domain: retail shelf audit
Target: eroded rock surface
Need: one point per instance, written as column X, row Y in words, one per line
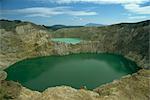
column 135, row 87
column 3, row 75
column 21, row 42
column 9, row 90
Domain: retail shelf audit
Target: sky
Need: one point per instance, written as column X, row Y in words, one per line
column 75, row 12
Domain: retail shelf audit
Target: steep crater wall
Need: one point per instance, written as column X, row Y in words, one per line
column 25, row 40
column 29, row 40
column 19, row 40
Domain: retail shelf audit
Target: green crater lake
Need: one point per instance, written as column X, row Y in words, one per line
column 67, row 40
column 75, row 70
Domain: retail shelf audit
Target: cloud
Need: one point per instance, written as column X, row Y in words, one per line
column 130, row 5
column 81, row 13
column 97, row 1
column 137, row 17
column 135, row 8
column 77, row 18
column 47, row 12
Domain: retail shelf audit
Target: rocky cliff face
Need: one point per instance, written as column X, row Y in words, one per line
column 130, row 40
column 21, row 40
column 27, row 40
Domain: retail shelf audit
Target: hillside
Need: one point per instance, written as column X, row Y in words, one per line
column 121, row 38
column 10, row 25
column 92, row 32
column 94, row 25
column 19, row 40
column 56, row 27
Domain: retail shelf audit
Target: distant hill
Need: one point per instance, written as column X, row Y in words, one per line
column 56, row 27
column 94, row 24
column 10, row 25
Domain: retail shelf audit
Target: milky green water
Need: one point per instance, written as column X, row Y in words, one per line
column 67, row 40
column 76, row 70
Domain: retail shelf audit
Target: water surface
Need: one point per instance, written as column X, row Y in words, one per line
column 76, row 70
column 67, row 40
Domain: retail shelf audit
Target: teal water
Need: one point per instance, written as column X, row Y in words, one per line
column 67, row 40
column 76, row 70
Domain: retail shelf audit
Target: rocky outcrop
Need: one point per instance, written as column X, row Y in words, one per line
column 97, row 47
column 9, row 90
column 67, row 93
column 3, row 75
column 131, row 87
column 24, row 41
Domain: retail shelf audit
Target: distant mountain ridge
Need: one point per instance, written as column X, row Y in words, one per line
column 94, row 24
column 56, row 27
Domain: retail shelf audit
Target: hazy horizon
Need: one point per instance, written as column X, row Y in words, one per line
column 75, row 12
column 71, row 25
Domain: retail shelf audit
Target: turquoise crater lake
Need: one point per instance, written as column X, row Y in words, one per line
column 76, row 70
column 67, row 40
